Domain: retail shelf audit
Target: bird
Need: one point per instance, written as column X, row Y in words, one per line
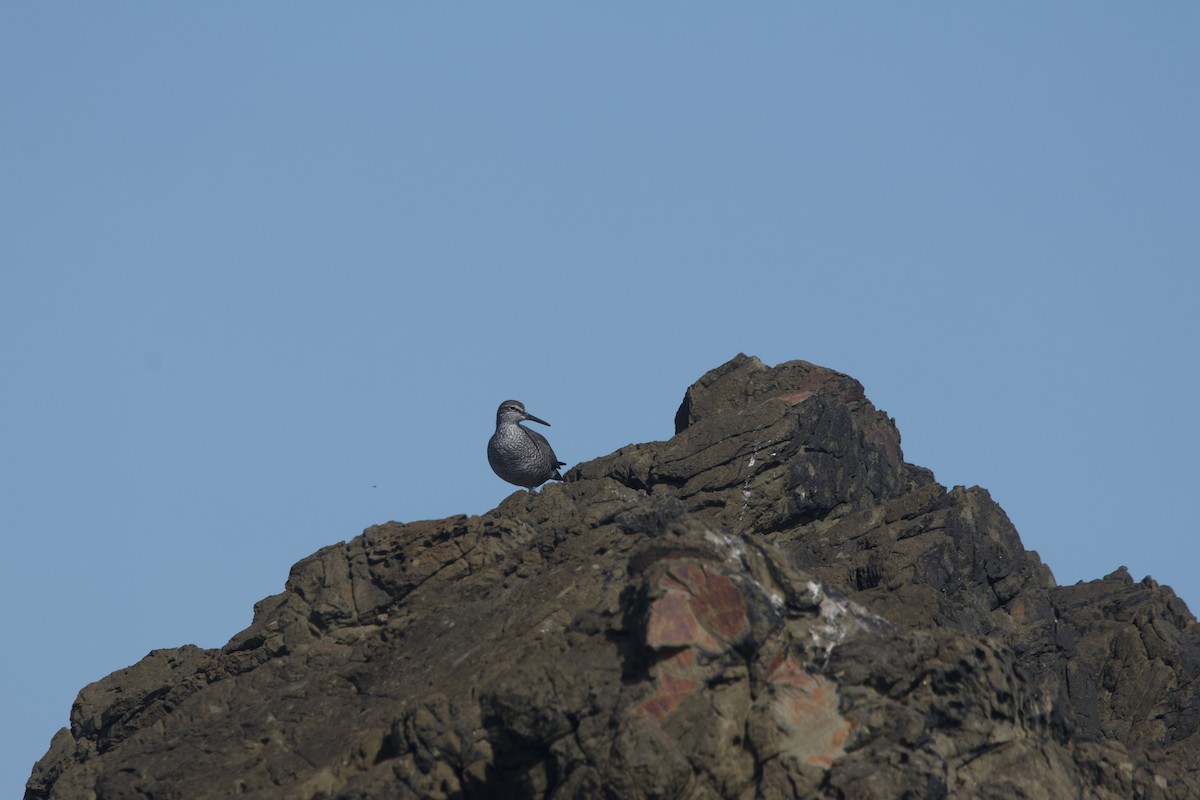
column 519, row 455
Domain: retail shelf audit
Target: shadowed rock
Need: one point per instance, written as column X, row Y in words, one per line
column 770, row 604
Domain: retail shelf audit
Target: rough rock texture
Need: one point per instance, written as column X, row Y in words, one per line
column 770, row 604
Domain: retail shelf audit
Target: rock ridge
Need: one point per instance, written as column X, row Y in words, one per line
column 772, row 603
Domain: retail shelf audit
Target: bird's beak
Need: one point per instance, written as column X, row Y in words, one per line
column 532, row 418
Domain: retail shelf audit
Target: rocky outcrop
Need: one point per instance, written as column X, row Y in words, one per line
column 770, row 604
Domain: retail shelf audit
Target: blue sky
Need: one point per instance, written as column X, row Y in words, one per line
column 267, row 272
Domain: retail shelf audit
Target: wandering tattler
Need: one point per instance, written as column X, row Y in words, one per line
column 517, row 454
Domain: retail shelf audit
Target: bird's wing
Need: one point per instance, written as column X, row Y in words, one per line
column 542, row 444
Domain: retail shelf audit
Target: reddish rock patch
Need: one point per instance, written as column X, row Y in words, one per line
column 806, row 709
column 792, row 398
column 676, row 679
column 699, row 608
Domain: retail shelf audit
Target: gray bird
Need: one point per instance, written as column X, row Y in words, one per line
column 517, row 454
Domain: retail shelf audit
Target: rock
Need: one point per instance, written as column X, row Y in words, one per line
column 770, row 604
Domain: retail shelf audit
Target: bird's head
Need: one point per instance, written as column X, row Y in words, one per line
column 513, row 411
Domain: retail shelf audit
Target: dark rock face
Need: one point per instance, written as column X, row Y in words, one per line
column 770, row 604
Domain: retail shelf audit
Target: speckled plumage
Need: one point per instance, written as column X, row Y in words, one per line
column 517, row 454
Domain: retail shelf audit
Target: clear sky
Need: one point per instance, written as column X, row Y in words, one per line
column 268, row 269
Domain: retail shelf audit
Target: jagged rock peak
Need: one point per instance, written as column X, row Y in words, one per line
column 770, row 604
column 744, row 380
